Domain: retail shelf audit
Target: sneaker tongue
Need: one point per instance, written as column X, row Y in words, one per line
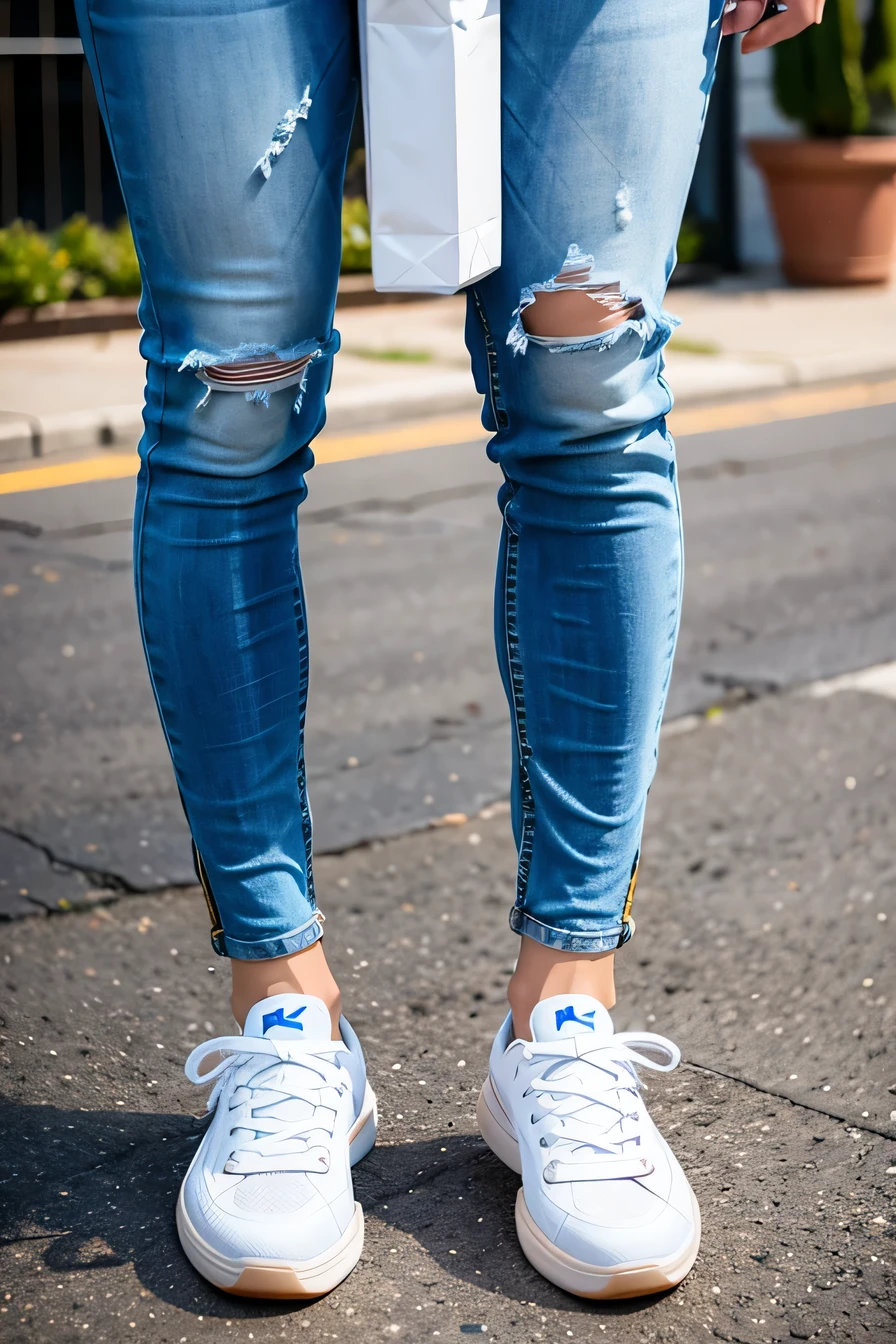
column 289, row 1017
column 566, row 1015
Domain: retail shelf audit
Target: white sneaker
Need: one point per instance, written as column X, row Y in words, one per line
column 605, row 1210
column 266, row 1208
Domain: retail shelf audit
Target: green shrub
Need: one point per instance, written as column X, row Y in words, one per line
column 105, row 259
column 33, row 270
column 879, row 64
column 81, row 260
column 355, row 234
column 86, row 261
column 691, row 240
column 838, row 78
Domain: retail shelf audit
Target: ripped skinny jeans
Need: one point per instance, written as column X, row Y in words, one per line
column 229, row 122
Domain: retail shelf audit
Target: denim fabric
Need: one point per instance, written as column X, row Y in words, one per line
column 229, row 122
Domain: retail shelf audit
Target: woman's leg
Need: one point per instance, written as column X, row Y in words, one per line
column 603, row 109
column 603, row 106
column 229, row 122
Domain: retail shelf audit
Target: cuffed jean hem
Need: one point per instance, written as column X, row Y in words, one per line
column 297, row 940
column 563, row 940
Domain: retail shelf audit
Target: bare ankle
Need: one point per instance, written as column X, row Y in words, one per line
column 305, row 972
column 543, row 971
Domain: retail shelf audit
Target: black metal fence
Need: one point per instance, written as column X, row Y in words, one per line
column 54, row 158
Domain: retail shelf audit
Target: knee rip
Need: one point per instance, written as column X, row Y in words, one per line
column 256, row 371
column 577, row 309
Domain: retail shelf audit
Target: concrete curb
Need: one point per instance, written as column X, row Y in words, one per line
column 695, row 379
column 28, row 437
column 24, row 438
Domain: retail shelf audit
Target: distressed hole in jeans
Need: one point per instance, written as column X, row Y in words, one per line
column 256, row 378
column 578, row 307
column 283, row 133
column 584, row 312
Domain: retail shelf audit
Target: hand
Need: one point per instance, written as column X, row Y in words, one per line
column 747, row 13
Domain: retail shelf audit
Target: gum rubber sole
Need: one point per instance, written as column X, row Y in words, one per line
column 247, row 1276
column 567, row 1272
column 252, row 1277
column 576, row 1276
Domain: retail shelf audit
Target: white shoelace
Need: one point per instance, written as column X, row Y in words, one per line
column 576, row 1078
column 270, row 1077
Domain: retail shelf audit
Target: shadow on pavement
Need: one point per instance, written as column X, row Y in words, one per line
column 98, row 1189
column 456, row 1200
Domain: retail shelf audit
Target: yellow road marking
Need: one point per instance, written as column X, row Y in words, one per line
column 467, row 429
column 422, row 434
column 328, row 448
column 109, row 467
column 782, row 406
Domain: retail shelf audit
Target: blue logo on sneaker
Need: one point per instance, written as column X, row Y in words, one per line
column 278, row 1019
column 568, row 1014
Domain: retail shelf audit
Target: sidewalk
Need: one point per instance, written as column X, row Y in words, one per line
column 408, row 360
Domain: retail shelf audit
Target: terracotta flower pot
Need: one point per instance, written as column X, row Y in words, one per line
column 834, row 203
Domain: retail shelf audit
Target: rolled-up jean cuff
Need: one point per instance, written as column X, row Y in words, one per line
column 297, row 940
column 565, row 940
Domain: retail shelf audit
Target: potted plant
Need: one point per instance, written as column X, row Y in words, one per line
column 833, row 193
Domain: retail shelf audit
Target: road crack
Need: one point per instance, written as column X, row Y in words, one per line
column 16, row 525
column 438, row 734
column 98, row 877
column 742, row 466
column 862, row 1124
column 402, row 507
column 34, row 1236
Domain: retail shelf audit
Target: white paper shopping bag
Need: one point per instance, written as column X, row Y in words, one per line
column 432, row 113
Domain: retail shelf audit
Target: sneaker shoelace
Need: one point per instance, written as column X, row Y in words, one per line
column 269, row 1081
column 601, row 1080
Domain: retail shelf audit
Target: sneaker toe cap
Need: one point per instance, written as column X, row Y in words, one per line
column 604, row 1244
column 256, row 1219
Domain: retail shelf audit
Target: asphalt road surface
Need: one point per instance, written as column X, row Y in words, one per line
column 766, row 911
column 790, row 577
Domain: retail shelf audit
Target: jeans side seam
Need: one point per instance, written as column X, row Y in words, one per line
column 217, row 928
column 301, row 773
column 515, row 673
column 499, row 412
column 217, row 931
column 679, row 597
